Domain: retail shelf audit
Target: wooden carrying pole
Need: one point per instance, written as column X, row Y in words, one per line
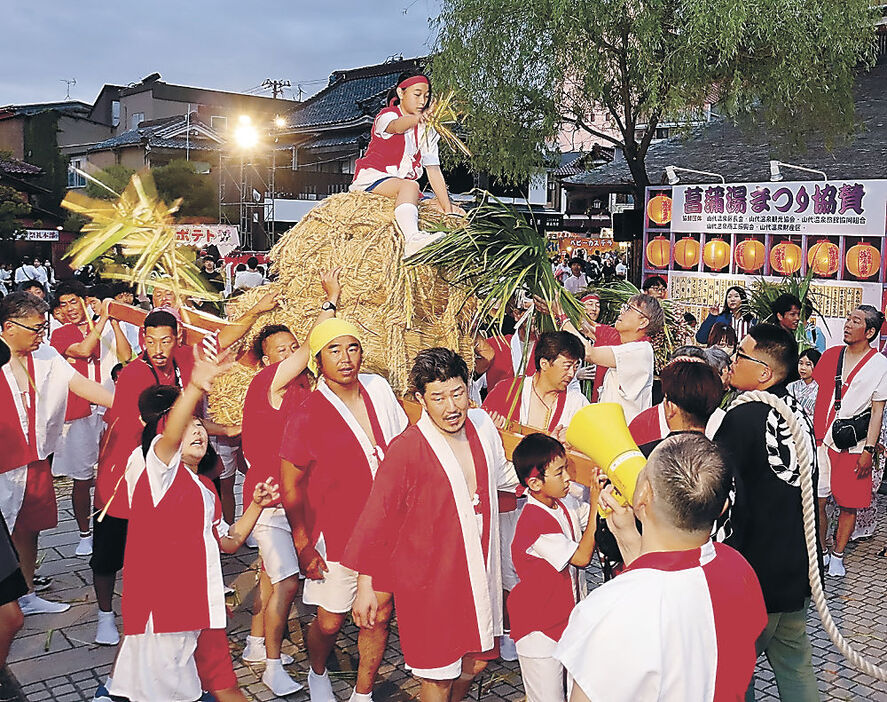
column 581, row 468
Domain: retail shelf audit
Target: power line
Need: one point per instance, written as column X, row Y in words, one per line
column 276, row 86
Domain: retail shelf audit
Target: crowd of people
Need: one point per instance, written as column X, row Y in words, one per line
column 478, row 556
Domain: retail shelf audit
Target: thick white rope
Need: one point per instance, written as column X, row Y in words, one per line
column 802, row 451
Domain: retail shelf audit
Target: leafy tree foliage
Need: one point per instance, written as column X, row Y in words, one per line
column 526, row 67
column 13, row 206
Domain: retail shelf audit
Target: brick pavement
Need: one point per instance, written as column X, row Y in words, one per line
column 53, row 657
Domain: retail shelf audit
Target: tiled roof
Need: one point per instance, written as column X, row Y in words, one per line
column 725, row 148
column 331, row 141
column 160, row 134
column 351, row 95
column 14, row 167
column 68, row 106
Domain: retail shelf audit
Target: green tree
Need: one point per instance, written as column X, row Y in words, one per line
column 115, row 177
column 13, row 206
column 198, row 192
column 526, row 67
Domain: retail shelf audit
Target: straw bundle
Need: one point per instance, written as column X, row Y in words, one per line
column 401, row 310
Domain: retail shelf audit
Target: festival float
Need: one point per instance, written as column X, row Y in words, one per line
column 828, row 235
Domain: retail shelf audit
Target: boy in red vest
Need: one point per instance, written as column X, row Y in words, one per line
column 551, row 543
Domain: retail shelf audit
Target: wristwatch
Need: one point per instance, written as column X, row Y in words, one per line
column 870, row 449
column 328, row 306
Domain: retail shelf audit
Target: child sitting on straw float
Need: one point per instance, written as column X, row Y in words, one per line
column 402, row 145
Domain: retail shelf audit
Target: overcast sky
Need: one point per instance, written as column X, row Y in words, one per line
column 223, row 44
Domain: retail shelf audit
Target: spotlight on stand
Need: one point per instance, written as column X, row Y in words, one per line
column 776, row 173
column 245, row 134
column 279, row 122
column 671, row 174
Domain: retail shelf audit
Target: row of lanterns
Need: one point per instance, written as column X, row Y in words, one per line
column 863, row 260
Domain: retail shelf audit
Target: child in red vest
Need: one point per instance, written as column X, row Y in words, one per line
column 173, row 603
column 551, row 544
column 401, row 147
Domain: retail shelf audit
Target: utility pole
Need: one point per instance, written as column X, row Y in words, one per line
column 276, row 86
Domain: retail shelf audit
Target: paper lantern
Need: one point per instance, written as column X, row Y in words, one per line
column 716, row 254
column 785, row 258
column 824, row 258
column 750, row 255
column 659, row 252
column 863, row 260
column 659, row 209
column 686, row 252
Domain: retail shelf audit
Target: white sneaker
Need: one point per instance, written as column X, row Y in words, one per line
column 507, row 648
column 31, row 604
column 416, row 242
column 826, row 559
column 278, row 680
column 836, row 567
column 254, row 651
column 84, row 548
column 320, row 687
column 106, row 632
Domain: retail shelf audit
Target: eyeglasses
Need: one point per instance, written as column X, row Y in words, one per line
column 628, row 306
column 37, row 330
column 739, row 354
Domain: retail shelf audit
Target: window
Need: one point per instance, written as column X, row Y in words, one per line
column 218, row 123
column 115, row 112
column 76, row 180
column 136, row 119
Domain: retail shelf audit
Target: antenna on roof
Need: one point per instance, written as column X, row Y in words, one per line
column 68, row 84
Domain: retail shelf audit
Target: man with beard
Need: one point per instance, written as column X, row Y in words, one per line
column 85, row 344
column 543, row 401
column 433, row 503
column 330, row 453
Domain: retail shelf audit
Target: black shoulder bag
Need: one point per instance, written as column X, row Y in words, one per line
column 847, row 433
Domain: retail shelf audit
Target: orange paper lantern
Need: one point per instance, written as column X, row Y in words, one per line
column 824, row 258
column 659, row 252
column 785, row 258
column 750, row 255
column 686, row 252
column 863, row 260
column 659, row 209
column 716, row 254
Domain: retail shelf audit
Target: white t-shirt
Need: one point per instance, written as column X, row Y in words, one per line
column 575, row 283
column 869, row 385
column 630, row 382
column 557, row 549
column 244, row 280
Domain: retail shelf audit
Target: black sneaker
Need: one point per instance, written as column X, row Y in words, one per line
column 41, row 583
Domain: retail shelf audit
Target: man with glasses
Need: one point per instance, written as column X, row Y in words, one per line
column 629, row 364
column 765, row 523
column 34, row 388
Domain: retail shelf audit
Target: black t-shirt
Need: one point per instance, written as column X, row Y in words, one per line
column 765, row 523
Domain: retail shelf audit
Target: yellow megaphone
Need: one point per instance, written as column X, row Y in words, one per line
column 601, row 433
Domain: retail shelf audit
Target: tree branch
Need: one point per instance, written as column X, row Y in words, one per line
column 579, row 122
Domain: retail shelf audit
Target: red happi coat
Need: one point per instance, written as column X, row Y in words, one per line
column 123, row 432
column 502, row 366
column 325, row 438
column 544, row 597
column 435, row 546
column 649, row 425
column 390, row 155
column 172, row 569
column 263, row 426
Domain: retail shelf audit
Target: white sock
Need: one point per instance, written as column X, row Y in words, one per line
column 361, row 696
column 106, row 615
column 255, row 640
column 273, row 663
column 407, row 217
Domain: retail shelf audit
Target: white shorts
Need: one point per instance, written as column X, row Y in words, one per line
column 227, row 448
column 543, row 679
column 338, row 589
column 824, row 488
column 275, row 539
column 78, row 448
column 445, row 672
column 507, row 525
column 154, row 667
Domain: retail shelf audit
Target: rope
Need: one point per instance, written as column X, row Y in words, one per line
column 805, row 462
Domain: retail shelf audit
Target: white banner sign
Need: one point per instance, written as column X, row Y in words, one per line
column 224, row 236
column 40, row 235
column 850, row 207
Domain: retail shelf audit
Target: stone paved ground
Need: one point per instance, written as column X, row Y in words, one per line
column 53, row 657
